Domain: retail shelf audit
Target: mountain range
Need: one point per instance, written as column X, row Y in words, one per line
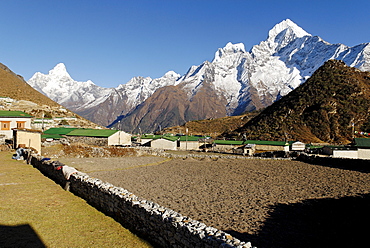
column 235, row 82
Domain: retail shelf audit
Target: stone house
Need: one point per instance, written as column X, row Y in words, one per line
column 13, row 119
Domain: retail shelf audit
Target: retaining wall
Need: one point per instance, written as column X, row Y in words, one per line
column 161, row 226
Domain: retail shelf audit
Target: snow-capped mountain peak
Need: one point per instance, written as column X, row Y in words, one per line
column 229, row 49
column 279, row 36
column 171, row 74
column 59, row 71
column 288, row 28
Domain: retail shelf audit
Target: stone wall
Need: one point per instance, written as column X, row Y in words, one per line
column 94, row 141
column 161, row 226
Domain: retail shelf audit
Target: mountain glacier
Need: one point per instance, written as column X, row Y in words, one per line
column 244, row 80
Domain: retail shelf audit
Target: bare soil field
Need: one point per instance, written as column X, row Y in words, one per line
column 272, row 203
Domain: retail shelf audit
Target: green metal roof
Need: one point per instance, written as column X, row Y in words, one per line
column 53, row 136
column 18, row 114
column 92, row 132
column 170, row 138
column 228, row 142
column 362, row 142
column 59, row 130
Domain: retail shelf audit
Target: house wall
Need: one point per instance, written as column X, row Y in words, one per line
column 298, row 146
column 271, row 148
column 191, row 145
column 163, row 144
column 28, row 139
column 345, row 154
column 363, row 153
column 13, row 124
column 119, row 138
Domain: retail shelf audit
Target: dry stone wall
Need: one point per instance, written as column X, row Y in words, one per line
column 94, row 141
column 161, row 226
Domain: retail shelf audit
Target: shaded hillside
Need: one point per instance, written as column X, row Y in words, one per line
column 31, row 101
column 171, row 106
column 320, row 110
column 212, row 127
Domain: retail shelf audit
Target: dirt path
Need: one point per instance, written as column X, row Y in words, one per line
column 272, row 203
column 36, row 212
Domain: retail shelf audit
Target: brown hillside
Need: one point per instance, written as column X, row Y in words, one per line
column 15, row 87
column 171, row 106
column 31, row 101
column 212, row 127
column 320, row 110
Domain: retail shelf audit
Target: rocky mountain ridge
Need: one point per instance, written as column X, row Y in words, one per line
column 329, row 107
column 237, row 80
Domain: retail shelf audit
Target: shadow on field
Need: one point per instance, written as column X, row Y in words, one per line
column 19, row 236
column 315, row 223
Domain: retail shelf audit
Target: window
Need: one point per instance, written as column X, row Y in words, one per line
column 5, row 125
column 21, row 124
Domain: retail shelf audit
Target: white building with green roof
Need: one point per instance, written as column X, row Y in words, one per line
column 101, row 137
column 10, row 120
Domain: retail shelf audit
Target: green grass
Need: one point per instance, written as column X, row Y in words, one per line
column 58, row 218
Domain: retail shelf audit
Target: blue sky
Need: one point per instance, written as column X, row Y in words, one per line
column 111, row 41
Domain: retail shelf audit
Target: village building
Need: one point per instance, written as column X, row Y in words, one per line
column 297, row 146
column 99, row 137
column 189, row 142
column 246, row 150
column 47, row 123
column 359, row 149
column 13, row 119
column 165, row 142
column 145, row 139
column 27, row 138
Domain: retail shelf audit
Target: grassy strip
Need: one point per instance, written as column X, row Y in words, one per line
column 46, row 215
